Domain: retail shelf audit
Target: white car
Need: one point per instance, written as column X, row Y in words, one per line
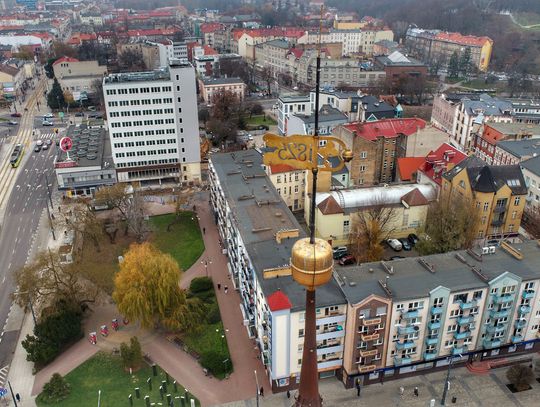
column 48, row 115
column 395, row 244
column 47, row 123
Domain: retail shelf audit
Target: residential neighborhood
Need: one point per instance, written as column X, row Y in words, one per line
column 269, row 203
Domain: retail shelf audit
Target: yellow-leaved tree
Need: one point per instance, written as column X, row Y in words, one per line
column 147, row 290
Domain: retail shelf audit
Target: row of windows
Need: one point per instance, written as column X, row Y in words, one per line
column 149, row 162
column 149, row 152
column 131, row 91
column 141, row 113
column 145, row 123
column 142, row 143
column 146, row 133
column 115, row 103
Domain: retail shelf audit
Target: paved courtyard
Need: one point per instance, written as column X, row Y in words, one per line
column 470, row 390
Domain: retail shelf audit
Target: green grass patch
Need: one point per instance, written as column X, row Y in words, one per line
column 527, row 18
column 183, row 241
column 259, row 120
column 105, row 372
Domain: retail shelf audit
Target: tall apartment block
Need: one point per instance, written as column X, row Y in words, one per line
column 375, row 321
column 153, row 124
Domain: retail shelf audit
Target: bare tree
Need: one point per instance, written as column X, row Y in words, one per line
column 531, row 222
column 266, row 75
column 370, row 228
column 83, row 221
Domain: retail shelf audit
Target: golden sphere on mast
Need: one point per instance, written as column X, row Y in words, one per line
column 312, row 264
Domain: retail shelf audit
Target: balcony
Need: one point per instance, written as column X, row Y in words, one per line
column 520, row 323
column 411, row 314
column 497, row 222
column 527, row 294
column 502, row 298
column 366, row 368
column 329, row 349
column 405, row 330
column 457, row 350
column 467, row 305
column 405, row 345
column 436, row 310
column 499, row 208
column 524, row 309
column 432, row 340
column 429, row 355
column 372, row 321
column 499, row 314
column 517, row 338
column 329, row 364
column 496, row 328
column 370, row 337
column 331, row 319
column 434, row 325
column 462, row 335
column 399, row 361
column 338, row 333
column 465, row 320
column 371, row 352
column 492, row 343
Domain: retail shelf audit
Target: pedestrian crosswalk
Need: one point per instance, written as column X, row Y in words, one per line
column 44, row 136
column 3, row 375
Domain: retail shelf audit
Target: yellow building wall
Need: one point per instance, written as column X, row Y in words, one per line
column 330, row 228
column 348, row 25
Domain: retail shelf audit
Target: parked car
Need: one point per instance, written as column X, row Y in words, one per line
column 48, row 141
column 47, row 123
column 405, row 243
column 339, row 252
column 349, row 259
column 16, row 114
column 48, row 116
column 45, row 147
column 397, row 257
column 13, row 122
column 413, row 239
column 37, row 148
column 39, row 143
column 395, row 244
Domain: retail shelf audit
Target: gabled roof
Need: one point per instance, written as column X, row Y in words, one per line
column 297, row 52
column 407, row 166
column 278, row 301
column 280, row 168
column 387, row 128
column 65, row 59
column 414, row 198
column 491, row 178
column 437, row 162
column 330, row 206
column 207, row 28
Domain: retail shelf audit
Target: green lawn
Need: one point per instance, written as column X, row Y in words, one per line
column 184, row 241
column 105, row 372
column 258, row 120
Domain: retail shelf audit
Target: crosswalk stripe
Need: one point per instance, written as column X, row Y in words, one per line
column 3, row 375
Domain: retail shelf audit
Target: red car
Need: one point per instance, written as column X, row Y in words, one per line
column 16, row 114
column 347, row 260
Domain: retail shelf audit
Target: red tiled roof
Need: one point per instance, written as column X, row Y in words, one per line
column 210, row 27
column 458, row 38
column 278, row 301
column 65, row 59
column 287, row 32
column 491, row 135
column 414, row 198
column 387, row 128
column 279, row 168
column 440, row 161
column 151, row 32
column 330, row 206
column 209, row 50
column 407, row 166
column 297, row 52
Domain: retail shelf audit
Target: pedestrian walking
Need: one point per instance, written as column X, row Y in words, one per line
column 219, row 286
column 288, row 394
column 261, row 391
column 18, row 397
column 203, row 231
column 358, row 388
column 401, row 391
column 226, row 289
column 416, row 391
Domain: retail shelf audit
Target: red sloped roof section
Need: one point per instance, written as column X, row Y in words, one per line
column 387, row 128
column 278, row 301
column 407, row 166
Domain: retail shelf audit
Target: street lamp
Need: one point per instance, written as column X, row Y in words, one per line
column 447, row 381
column 206, row 263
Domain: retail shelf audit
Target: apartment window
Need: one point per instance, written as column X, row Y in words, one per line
column 529, row 285
column 400, row 306
column 508, row 289
column 363, row 154
column 452, row 328
column 456, row 313
column 346, row 225
column 438, row 302
column 486, row 206
column 362, row 168
column 517, row 200
column 477, row 295
column 278, row 179
column 301, row 333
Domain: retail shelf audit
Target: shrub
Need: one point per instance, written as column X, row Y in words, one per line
column 131, row 354
column 213, row 316
column 213, row 361
column 200, row 284
column 56, row 390
column 520, row 377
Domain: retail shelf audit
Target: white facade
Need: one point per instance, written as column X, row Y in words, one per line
column 289, row 105
column 153, row 124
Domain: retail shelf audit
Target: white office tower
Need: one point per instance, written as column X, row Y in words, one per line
column 153, row 124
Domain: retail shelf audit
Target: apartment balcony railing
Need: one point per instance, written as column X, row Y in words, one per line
column 520, row 323
column 502, row 298
column 371, row 352
column 497, row 222
column 499, row 209
column 499, row 314
column 462, row 320
column 492, row 343
column 405, row 360
column 434, row 324
column 517, row 338
column 462, row 335
column 411, row 314
column 436, row 310
column 370, row 337
column 524, row 309
column 405, row 330
column 366, row 368
column 496, row 328
column 405, row 345
column 457, row 350
column 467, row 305
column 433, row 340
column 528, row 294
column 429, row 355
column 372, row 321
